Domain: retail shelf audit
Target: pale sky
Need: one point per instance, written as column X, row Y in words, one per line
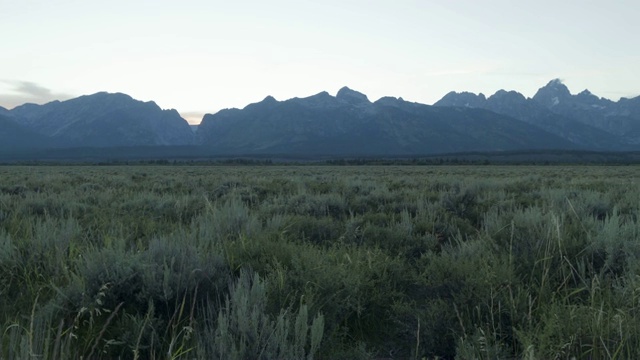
column 200, row 56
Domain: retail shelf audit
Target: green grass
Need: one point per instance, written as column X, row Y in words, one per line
column 291, row 262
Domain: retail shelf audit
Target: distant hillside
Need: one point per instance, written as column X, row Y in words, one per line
column 588, row 121
column 105, row 120
column 116, row 126
column 350, row 124
column 620, row 118
column 14, row 136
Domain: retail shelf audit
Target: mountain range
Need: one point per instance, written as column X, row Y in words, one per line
column 588, row 121
column 102, row 120
column 343, row 125
column 349, row 124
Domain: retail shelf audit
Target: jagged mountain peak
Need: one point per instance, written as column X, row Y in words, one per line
column 504, row 95
column 588, row 97
column 462, row 99
column 103, row 100
column 321, row 99
column 320, row 95
column 347, row 123
column 555, row 86
column 267, row 102
column 552, row 94
column 351, row 96
column 101, row 97
column 389, row 101
column 269, row 99
column 106, row 119
column 396, row 102
column 106, row 96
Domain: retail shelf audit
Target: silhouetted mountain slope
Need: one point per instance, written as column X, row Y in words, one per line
column 322, row 124
column 620, row 118
column 350, row 124
column 105, row 119
column 629, row 107
column 514, row 104
column 14, row 136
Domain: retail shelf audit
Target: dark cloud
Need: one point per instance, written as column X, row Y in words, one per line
column 21, row 92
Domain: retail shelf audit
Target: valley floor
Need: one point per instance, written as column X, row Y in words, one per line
column 326, row 262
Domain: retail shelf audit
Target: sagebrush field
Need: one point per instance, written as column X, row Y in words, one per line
column 325, row 262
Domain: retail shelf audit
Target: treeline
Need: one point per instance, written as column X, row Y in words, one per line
column 171, row 155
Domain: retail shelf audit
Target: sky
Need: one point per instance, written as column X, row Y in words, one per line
column 201, row 56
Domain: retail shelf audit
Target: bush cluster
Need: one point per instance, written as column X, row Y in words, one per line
column 303, row 262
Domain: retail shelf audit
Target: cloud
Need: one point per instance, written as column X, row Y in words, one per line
column 16, row 92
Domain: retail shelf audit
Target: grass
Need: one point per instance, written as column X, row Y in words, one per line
column 291, row 262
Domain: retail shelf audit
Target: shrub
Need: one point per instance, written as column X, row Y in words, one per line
column 242, row 329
